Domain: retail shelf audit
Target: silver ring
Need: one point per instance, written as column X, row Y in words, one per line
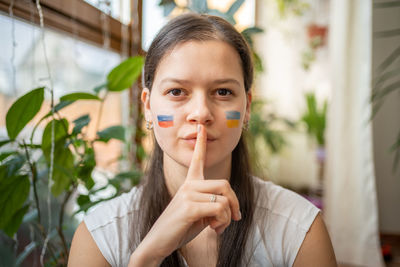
column 213, row 198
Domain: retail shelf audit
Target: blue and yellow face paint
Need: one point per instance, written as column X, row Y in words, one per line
column 165, row 121
column 232, row 119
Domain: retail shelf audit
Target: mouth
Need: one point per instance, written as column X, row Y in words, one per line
column 192, row 138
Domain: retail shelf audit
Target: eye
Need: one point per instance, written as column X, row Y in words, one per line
column 224, row 92
column 175, row 92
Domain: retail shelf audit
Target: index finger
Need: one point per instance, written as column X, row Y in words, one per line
column 196, row 168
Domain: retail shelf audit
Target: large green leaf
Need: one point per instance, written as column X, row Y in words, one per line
column 125, row 74
column 12, row 226
column 63, row 158
column 63, row 170
column 79, row 96
column 113, row 132
column 60, row 132
column 23, row 110
column 14, row 191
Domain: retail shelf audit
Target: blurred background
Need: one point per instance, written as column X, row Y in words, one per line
column 325, row 117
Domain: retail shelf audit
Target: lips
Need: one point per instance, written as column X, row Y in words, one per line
column 193, row 136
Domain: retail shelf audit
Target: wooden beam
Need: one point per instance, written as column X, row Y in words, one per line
column 75, row 17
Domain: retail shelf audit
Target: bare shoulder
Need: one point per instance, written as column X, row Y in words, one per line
column 84, row 251
column 316, row 249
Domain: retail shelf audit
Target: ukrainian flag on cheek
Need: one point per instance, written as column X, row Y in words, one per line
column 165, row 121
column 232, row 119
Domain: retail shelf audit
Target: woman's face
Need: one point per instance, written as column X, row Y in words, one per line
column 198, row 83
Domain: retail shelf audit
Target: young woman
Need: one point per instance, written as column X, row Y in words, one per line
column 199, row 204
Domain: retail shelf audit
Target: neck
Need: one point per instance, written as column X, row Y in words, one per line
column 175, row 173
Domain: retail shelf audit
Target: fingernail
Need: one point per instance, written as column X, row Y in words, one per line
column 198, row 128
column 239, row 215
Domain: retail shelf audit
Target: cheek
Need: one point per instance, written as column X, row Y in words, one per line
column 232, row 118
column 165, row 121
column 164, row 128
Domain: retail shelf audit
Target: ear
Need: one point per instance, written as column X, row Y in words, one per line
column 248, row 106
column 145, row 97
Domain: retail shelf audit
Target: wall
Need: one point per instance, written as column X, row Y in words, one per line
column 386, row 125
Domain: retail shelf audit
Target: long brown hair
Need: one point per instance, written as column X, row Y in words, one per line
column 155, row 196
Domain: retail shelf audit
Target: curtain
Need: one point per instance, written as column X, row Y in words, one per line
column 350, row 209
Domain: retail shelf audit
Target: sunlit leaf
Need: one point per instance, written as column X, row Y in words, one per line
column 23, row 110
column 125, row 74
column 63, row 158
column 60, row 132
column 79, row 96
column 63, row 170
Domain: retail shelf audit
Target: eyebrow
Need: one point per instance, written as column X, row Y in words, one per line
column 217, row 81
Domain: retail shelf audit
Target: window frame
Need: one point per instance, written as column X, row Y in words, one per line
column 83, row 20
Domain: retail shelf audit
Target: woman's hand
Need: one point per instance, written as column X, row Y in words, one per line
column 192, row 209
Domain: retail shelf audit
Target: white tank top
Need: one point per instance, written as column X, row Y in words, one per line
column 282, row 219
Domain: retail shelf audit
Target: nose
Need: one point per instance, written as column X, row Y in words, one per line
column 199, row 110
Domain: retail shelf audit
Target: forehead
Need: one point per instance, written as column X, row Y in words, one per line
column 201, row 61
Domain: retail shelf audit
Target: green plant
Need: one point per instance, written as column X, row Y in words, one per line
column 265, row 132
column 201, row 7
column 66, row 155
column 315, row 118
column 387, row 77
